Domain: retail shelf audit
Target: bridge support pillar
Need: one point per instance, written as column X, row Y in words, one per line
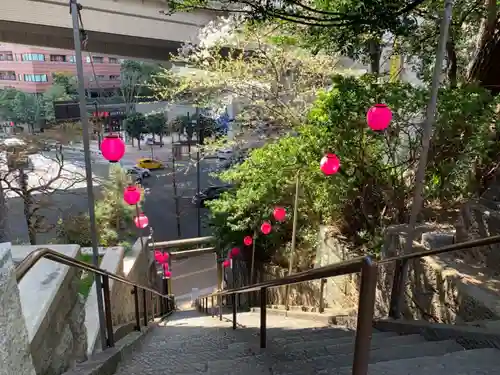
column 15, row 354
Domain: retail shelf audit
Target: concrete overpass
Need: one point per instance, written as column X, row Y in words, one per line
column 128, row 28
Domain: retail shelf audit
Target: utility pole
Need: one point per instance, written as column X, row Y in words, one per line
column 176, row 197
column 430, row 118
column 198, row 131
column 75, row 12
column 294, row 235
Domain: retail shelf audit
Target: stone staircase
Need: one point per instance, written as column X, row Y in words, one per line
column 192, row 343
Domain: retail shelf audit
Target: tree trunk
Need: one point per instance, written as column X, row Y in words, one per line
column 374, row 49
column 139, row 142
column 27, row 203
column 4, row 223
column 486, row 32
column 452, row 62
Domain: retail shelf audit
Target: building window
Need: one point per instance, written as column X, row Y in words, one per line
column 100, row 77
column 7, row 76
column 72, row 59
column 36, row 78
column 58, row 58
column 87, row 59
column 114, row 78
column 113, row 60
column 33, row 57
column 6, row 56
column 98, row 59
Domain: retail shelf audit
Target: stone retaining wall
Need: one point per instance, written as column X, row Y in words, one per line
column 15, row 355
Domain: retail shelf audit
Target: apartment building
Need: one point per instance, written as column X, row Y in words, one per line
column 30, row 69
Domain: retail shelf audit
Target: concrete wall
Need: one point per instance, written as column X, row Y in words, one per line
column 15, row 355
column 137, row 266
column 53, row 311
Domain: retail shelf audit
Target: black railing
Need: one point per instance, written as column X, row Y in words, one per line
column 366, row 302
column 166, row 304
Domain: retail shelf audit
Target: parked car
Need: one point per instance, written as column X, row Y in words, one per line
column 152, row 142
column 225, row 154
column 135, row 170
column 213, row 192
column 149, row 164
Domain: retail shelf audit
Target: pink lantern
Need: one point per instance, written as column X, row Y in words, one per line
column 248, row 240
column 141, row 221
column 234, row 252
column 226, row 263
column 112, row 148
column 279, row 214
column 167, row 274
column 378, row 117
column 161, row 258
column 132, row 195
column 266, row 227
column 329, row 164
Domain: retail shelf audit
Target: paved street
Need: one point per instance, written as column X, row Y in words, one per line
column 68, row 194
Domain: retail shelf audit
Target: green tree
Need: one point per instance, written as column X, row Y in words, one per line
column 157, row 125
column 113, row 216
column 272, row 79
column 373, row 188
column 67, row 81
column 135, row 126
column 28, row 109
column 135, row 79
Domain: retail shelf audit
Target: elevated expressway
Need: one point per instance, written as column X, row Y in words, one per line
column 128, row 28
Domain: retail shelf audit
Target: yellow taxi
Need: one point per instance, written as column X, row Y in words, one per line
column 149, row 163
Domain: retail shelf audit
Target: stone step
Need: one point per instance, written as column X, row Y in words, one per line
column 468, row 362
column 292, row 336
column 314, row 364
column 345, row 345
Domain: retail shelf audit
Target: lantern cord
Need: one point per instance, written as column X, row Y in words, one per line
column 85, row 40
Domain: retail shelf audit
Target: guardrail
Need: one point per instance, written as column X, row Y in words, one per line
column 166, row 301
column 366, row 302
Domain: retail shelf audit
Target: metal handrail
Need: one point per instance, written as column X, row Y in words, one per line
column 32, row 258
column 366, row 304
column 332, row 270
column 166, row 300
column 492, row 240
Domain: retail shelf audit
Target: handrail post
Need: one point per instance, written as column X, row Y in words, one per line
column 107, row 311
column 145, row 307
column 397, row 285
column 220, row 308
column 135, row 292
column 234, row 311
column 321, row 296
column 263, row 311
column 366, row 307
column 212, row 306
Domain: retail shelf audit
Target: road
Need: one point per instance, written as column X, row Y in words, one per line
column 69, row 196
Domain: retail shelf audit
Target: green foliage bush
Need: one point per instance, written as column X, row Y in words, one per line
column 113, row 216
column 375, row 184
